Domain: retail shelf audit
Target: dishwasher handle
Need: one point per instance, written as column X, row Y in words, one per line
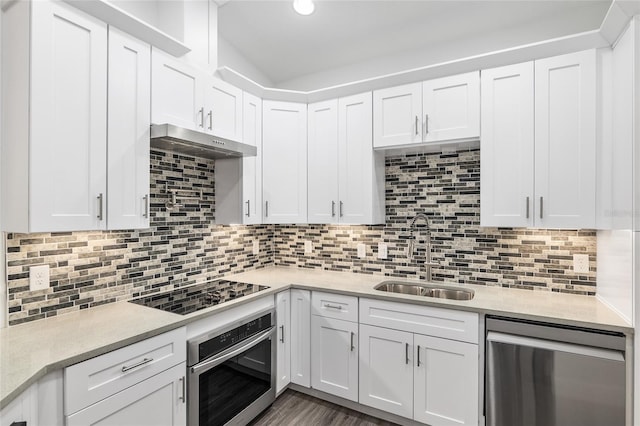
column 510, row 339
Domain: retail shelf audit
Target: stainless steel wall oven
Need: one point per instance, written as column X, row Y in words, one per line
column 231, row 372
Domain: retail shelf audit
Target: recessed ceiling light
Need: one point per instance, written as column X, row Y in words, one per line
column 304, row 7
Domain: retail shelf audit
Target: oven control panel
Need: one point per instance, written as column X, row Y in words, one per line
column 223, row 341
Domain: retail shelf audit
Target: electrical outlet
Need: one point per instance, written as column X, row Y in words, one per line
column 362, row 251
column 382, row 251
column 581, row 263
column 308, row 248
column 39, row 277
column 256, row 247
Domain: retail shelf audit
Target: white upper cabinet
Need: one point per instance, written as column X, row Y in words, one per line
column 178, row 90
column 346, row 177
column 438, row 110
column 323, row 201
column 451, row 107
column 284, row 162
column 223, row 109
column 565, row 134
column 360, row 169
column 129, row 117
column 239, row 180
column 55, row 118
column 186, row 96
column 397, row 115
column 538, row 156
column 507, row 146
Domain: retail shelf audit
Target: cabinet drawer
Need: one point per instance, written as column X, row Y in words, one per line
column 95, row 379
column 334, row 305
column 427, row 320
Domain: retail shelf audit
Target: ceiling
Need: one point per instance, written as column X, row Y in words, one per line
column 360, row 38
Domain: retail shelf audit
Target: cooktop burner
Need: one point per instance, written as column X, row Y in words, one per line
column 193, row 298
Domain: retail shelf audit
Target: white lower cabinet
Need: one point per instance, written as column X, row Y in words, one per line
column 445, row 386
column 140, row 384
column 301, row 337
column 283, row 349
column 159, row 400
column 386, row 371
column 428, row 379
column 334, row 359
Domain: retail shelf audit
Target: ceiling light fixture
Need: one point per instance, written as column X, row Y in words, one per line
column 304, row 7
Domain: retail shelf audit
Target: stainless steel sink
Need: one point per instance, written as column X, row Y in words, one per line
column 427, row 290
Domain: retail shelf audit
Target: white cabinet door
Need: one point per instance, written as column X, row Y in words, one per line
column 301, row 337
column 177, row 92
column 238, row 182
column 446, row 382
column 565, row 139
column 252, row 166
column 129, row 116
column 361, row 170
column 68, row 119
column 334, row 357
column 506, row 157
column 159, row 400
column 323, row 162
column 386, row 369
column 283, row 351
column 223, row 109
column 397, row 115
column 451, row 107
column 284, row 162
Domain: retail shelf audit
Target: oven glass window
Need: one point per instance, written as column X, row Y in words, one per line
column 229, row 388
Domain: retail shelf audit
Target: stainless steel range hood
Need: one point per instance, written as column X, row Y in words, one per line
column 198, row 144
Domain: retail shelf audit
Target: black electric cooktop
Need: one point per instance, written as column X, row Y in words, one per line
column 193, row 298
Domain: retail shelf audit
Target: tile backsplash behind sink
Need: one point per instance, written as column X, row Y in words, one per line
column 183, row 246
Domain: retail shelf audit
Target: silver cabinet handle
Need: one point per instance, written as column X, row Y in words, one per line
column 146, row 206
column 282, row 333
column 541, row 209
column 416, row 125
column 100, row 203
column 183, row 396
column 418, row 360
column 527, row 208
column 248, row 208
column 201, row 113
column 426, row 124
column 137, row 364
column 338, row 307
column 266, row 209
column 333, row 209
column 341, row 205
column 210, row 115
column 352, row 345
column 406, row 353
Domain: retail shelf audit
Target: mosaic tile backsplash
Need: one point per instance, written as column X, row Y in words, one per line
column 183, row 246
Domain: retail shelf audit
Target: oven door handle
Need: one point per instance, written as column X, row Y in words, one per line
column 212, row 362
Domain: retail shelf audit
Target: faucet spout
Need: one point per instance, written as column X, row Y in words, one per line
column 427, row 245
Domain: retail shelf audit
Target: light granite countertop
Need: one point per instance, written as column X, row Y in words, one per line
column 31, row 350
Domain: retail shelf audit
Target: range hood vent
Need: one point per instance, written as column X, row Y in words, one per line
column 198, row 144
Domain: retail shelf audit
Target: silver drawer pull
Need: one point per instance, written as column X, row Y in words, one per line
column 406, row 353
column 183, row 396
column 137, row 364
column 352, row 345
column 282, row 333
column 338, row 307
column 418, row 355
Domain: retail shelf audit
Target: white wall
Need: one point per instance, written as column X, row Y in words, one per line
column 230, row 57
column 3, row 276
column 615, row 271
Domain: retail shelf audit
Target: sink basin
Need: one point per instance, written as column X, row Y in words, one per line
column 427, row 290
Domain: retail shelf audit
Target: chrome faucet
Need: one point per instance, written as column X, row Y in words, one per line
column 427, row 245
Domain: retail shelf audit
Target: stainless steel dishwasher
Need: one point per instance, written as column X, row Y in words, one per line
column 541, row 375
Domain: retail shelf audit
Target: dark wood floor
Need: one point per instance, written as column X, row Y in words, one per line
column 295, row 408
